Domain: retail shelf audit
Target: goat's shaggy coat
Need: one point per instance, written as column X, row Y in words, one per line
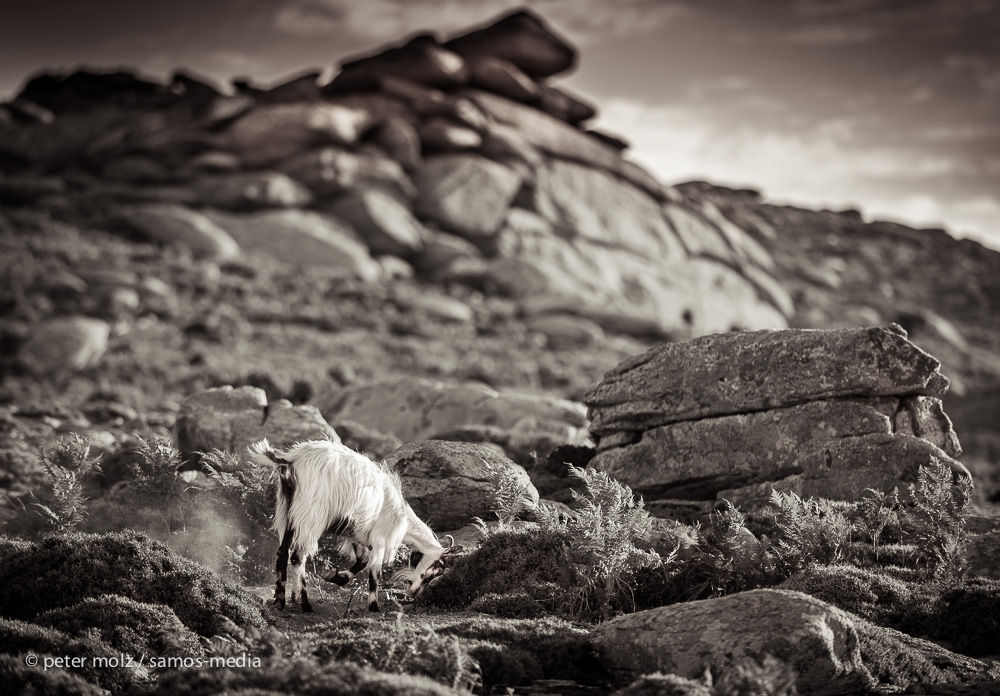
column 327, row 487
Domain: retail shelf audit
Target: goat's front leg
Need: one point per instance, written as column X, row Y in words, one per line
column 372, row 591
column 342, row 577
column 281, row 566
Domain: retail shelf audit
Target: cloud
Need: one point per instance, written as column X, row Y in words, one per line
column 838, row 22
column 824, row 166
column 582, row 21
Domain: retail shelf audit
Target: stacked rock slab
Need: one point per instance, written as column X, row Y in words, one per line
column 735, row 415
column 467, row 137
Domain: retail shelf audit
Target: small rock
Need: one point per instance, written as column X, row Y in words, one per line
column 175, row 224
column 565, row 331
column 398, row 137
column 439, row 307
column 502, row 77
column 249, row 190
column 442, row 134
column 62, row 345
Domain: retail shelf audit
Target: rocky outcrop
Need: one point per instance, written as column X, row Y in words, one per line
column 817, row 641
column 449, row 484
column 403, row 146
column 231, row 419
column 818, row 413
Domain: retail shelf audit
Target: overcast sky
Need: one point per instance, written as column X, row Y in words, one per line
column 889, row 106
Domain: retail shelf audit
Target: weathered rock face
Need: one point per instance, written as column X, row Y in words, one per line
column 403, row 146
column 232, row 419
column 816, row 640
column 448, row 484
column 416, row 409
column 818, row 413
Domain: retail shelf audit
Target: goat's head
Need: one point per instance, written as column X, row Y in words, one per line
column 425, row 566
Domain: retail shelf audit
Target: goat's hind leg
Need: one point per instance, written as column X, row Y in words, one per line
column 297, row 579
column 342, row 577
column 281, row 567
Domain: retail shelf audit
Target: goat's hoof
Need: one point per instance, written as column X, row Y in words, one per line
column 373, row 606
column 279, row 603
column 307, row 608
column 341, row 578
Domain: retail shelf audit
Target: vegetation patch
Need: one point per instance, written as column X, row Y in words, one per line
column 61, row 571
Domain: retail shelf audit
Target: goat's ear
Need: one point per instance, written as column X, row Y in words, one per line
column 453, row 549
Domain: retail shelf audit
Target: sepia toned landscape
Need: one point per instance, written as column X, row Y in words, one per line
column 690, row 440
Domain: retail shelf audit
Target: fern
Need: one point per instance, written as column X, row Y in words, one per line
column 936, row 520
column 66, row 464
column 510, row 493
column 808, row 531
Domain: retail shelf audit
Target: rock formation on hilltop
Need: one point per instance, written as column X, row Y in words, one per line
column 460, row 158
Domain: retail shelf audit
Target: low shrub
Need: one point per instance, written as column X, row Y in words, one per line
column 968, row 618
column 19, row 638
column 18, row 678
column 303, row 676
column 67, row 464
column 127, row 563
column 400, row 646
column 659, row 684
column 129, row 626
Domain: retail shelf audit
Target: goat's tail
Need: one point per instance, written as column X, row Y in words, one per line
column 263, row 453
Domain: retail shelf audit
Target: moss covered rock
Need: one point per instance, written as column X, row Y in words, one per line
column 61, row 571
column 133, row 627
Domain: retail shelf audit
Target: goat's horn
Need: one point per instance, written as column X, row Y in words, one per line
column 449, row 536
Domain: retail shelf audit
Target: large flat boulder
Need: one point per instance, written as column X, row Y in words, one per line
column 384, row 224
column 817, row 641
column 330, row 171
column 414, row 409
column 421, row 59
column 740, row 372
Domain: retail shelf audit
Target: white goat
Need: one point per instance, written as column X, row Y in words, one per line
column 327, row 487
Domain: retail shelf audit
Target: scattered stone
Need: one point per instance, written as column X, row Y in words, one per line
column 564, row 106
column 331, row 171
column 381, row 221
column 301, row 238
column 502, row 77
column 67, row 344
column 399, row 138
column 303, row 88
column 565, row 331
column 421, row 59
column 749, row 371
column 170, row 223
column 443, row 253
column 274, row 132
column 466, row 194
column 442, row 134
column 521, row 38
column 394, row 268
column 449, row 484
column 816, row 640
column 214, row 161
column 415, row 409
column 439, row 307
column 615, row 141
column 251, row 190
